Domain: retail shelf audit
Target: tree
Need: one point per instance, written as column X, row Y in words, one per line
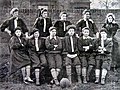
column 108, row 3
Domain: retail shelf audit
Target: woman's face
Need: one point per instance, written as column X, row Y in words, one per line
column 45, row 14
column 87, row 15
column 71, row 31
column 103, row 35
column 36, row 34
column 53, row 32
column 86, row 32
column 18, row 33
column 110, row 19
column 63, row 17
column 15, row 14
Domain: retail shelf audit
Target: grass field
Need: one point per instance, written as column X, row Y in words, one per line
column 90, row 86
column 112, row 83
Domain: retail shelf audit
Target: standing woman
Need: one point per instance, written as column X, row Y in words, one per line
column 43, row 23
column 15, row 21
column 112, row 27
column 19, row 55
column 62, row 24
column 86, row 22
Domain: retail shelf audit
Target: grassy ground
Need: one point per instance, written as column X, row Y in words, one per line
column 90, row 86
column 112, row 83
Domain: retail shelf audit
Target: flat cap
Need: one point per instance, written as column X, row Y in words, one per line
column 86, row 10
column 18, row 28
column 71, row 26
column 103, row 30
column 43, row 10
column 61, row 13
column 34, row 30
column 85, row 29
column 13, row 10
column 51, row 28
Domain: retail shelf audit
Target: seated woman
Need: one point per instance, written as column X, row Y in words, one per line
column 54, row 47
column 71, row 49
column 36, row 52
column 19, row 55
column 103, row 56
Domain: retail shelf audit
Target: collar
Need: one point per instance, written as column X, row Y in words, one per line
column 86, row 37
column 53, row 37
column 63, row 20
column 71, row 36
column 36, row 38
column 44, row 17
column 86, row 19
column 15, row 18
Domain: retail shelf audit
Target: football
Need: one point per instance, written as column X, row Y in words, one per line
column 65, row 83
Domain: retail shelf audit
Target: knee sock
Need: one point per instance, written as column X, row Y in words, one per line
column 84, row 74
column 57, row 72
column 84, row 70
column 53, row 73
column 27, row 71
column 89, row 69
column 23, row 72
column 69, row 72
column 37, row 74
column 78, row 70
column 97, row 72
column 104, row 73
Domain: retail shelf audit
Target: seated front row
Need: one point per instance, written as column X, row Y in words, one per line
column 81, row 52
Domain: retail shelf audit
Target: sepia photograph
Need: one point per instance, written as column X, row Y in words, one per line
column 59, row 44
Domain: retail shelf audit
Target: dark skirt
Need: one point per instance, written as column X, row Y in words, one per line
column 19, row 59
